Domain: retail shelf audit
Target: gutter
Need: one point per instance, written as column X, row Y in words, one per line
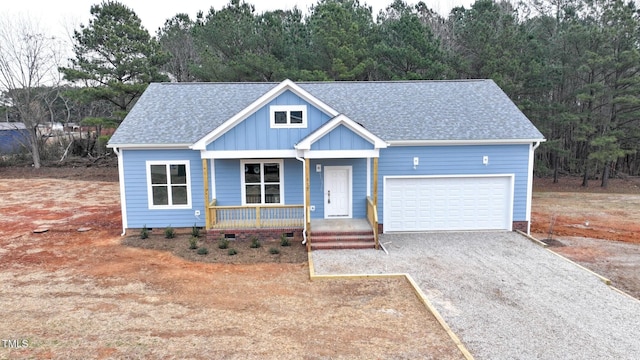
column 123, row 206
column 304, row 181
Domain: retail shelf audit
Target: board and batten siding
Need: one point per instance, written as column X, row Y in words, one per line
column 137, row 197
column 458, row 160
column 341, row 138
column 228, row 180
column 359, row 186
column 255, row 132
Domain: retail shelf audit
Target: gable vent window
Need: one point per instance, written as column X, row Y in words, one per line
column 288, row 116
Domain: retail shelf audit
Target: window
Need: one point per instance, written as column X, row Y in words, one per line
column 168, row 184
column 288, row 116
column 261, row 182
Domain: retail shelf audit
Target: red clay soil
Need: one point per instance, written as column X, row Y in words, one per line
column 74, row 294
column 568, row 209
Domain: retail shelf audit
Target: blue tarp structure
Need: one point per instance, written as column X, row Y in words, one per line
column 14, row 136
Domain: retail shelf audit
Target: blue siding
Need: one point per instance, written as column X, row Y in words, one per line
column 229, row 182
column 341, row 138
column 135, row 173
column 255, row 133
column 359, row 185
column 458, row 160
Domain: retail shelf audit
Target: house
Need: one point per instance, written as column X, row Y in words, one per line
column 14, row 137
column 272, row 158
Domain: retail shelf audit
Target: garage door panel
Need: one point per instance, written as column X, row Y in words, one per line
column 448, row 203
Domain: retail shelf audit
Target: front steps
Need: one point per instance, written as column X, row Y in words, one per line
column 342, row 239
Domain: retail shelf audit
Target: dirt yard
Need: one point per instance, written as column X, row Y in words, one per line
column 598, row 228
column 71, row 294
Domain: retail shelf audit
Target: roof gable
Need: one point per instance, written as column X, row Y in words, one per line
column 286, row 85
column 336, row 122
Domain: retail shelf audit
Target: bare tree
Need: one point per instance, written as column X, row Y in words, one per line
column 28, row 64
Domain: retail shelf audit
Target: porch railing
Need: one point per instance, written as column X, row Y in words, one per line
column 372, row 216
column 255, row 216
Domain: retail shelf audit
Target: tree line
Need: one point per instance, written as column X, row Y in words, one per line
column 570, row 65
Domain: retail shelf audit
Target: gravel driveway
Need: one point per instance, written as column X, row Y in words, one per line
column 504, row 296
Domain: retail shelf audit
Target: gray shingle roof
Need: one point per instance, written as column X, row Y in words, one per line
column 183, row 113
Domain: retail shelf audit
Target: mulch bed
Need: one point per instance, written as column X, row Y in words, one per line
column 180, row 246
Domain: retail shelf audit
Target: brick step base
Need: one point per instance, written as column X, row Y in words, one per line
column 342, row 240
column 341, row 245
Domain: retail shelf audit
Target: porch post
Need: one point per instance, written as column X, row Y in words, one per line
column 205, row 178
column 375, row 181
column 307, row 199
column 375, row 199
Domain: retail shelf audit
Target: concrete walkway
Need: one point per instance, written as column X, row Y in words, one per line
column 504, row 296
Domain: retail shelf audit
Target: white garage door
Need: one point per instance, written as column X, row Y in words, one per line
column 448, row 203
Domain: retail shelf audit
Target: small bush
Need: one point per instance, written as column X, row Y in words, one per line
column 274, row 251
column 193, row 243
column 203, row 251
column 255, row 243
column 284, row 240
column 144, row 233
column 223, row 243
column 169, row 232
column 195, row 231
column 232, row 252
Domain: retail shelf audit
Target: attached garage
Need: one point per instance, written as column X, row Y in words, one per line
column 444, row 203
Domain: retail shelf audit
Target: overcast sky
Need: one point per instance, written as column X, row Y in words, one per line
column 60, row 15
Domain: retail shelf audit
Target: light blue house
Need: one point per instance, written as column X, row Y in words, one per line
column 273, row 158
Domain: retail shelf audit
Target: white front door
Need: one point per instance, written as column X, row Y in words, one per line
column 337, row 191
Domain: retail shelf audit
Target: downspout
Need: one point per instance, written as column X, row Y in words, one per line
column 304, row 181
column 123, row 206
column 530, row 190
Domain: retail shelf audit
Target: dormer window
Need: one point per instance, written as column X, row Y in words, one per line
column 288, row 116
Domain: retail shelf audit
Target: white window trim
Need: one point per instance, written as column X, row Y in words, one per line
column 243, row 191
column 150, row 187
column 288, row 108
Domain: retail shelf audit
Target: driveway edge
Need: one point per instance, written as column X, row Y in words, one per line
column 418, row 292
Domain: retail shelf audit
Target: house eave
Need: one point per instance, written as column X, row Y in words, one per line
column 462, row 142
column 148, row 146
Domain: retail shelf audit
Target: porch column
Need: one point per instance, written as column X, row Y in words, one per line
column 375, row 199
column 307, row 199
column 375, row 181
column 205, row 178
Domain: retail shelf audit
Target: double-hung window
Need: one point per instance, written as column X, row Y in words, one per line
column 168, row 184
column 262, row 182
column 288, row 116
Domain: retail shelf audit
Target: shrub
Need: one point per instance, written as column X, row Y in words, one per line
column 223, row 243
column 193, row 243
column 203, row 251
column 169, row 232
column 195, row 231
column 274, row 251
column 144, row 233
column 284, row 240
column 232, row 252
column 255, row 243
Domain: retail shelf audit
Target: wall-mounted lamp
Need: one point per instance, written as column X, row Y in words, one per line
column 416, row 162
column 485, row 160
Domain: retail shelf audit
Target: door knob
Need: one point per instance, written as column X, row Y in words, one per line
column 328, row 196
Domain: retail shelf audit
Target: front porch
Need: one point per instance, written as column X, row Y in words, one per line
column 242, row 222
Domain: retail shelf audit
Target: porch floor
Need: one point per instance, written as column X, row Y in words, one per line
column 340, row 225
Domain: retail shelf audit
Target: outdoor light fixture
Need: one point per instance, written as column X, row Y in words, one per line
column 485, row 160
column 416, row 162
